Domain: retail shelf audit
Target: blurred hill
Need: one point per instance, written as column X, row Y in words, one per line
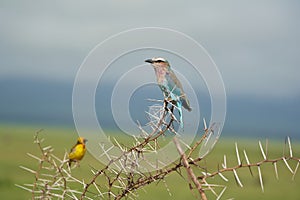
column 50, row 103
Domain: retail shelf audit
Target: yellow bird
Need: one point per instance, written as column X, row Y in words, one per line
column 78, row 150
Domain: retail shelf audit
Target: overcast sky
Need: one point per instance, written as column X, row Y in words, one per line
column 254, row 43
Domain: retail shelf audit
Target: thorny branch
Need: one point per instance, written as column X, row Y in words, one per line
column 189, row 170
column 53, row 179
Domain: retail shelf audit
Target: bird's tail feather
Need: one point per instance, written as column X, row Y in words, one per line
column 186, row 104
column 179, row 107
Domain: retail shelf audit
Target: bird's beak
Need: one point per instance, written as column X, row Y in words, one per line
column 85, row 140
column 149, row 61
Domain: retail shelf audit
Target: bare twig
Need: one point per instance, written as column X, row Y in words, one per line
column 189, row 169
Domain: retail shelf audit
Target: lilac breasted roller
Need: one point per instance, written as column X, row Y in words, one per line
column 170, row 85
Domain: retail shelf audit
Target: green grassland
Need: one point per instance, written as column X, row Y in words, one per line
column 16, row 141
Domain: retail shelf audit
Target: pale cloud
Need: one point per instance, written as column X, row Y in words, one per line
column 254, row 43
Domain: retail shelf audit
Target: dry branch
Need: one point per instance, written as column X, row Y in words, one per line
column 122, row 177
column 189, row 170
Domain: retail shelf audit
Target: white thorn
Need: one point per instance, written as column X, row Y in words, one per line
column 295, row 171
column 168, row 189
column 27, row 169
column 120, row 147
column 260, row 179
column 237, row 154
column 204, row 123
column 290, row 146
column 237, row 178
column 262, row 150
column 24, row 188
column 35, row 157
column 208, row 137
column 223, row 177
column 276, row 171
column 221, row 193
column 224, row 165
column 247, row 160
column 210, row 187
column 286, row 163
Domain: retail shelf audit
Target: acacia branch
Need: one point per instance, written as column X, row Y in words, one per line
column 57, row 180
column 189, row 170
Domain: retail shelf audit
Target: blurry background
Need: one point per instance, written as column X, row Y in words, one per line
column 255, row 44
